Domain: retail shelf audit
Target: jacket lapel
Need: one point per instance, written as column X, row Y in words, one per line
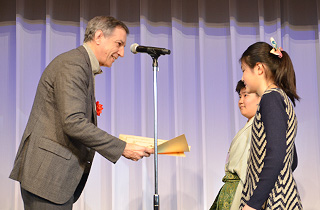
column 94, row 112
column 93, row 99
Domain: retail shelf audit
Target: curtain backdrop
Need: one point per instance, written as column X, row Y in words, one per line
column 196, row 90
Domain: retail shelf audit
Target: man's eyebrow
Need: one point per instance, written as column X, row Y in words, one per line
column 122, row 42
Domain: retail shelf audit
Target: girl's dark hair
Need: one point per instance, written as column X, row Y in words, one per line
column 240, row 86
column 280, row 69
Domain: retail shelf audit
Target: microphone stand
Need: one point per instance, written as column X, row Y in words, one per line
column 155, row 54
column 156, row 198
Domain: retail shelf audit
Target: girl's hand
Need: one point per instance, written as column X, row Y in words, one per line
column 246, row 207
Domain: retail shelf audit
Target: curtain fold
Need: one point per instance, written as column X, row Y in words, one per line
column 196, row 90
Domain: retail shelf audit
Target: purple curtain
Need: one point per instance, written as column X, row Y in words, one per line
column 196, row 89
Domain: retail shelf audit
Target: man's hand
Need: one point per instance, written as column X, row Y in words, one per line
column 135, row 152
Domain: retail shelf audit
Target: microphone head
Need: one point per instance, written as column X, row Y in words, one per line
column 133, row 48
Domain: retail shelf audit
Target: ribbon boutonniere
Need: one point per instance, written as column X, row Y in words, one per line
column 99, row 108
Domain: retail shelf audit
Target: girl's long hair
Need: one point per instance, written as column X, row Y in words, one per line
column 280, row 70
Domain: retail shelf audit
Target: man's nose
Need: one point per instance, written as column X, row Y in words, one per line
column 121, row 52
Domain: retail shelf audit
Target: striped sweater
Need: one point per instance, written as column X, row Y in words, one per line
column 269, row 181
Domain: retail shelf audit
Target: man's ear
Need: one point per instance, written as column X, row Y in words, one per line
column 97, row 37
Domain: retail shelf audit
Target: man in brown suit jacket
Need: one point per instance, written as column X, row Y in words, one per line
column 61, row 136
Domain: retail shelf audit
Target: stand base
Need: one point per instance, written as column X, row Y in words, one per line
column 156, row 202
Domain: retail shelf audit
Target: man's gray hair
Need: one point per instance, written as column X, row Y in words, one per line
column 104, row 23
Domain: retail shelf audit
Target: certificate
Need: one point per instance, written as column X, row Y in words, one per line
column 174, row 147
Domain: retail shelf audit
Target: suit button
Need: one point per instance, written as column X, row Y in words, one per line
column 89, row 162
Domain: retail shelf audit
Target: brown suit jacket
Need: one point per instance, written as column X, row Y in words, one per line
column 61, row 136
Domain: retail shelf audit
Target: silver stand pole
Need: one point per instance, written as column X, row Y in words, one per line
column 155, row 53
column 156, row 198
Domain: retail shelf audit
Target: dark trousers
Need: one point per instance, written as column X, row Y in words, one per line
column 34, row 202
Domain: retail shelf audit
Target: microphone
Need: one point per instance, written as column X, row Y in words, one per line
column 135, row 48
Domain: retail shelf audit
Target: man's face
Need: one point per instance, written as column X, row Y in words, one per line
column 111, row 47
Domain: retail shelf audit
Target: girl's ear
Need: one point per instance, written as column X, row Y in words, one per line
column 260, row 68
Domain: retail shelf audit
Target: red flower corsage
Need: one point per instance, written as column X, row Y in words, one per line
column 99, row 108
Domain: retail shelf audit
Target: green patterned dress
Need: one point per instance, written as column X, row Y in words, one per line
column 229, row 195
column 226, row 194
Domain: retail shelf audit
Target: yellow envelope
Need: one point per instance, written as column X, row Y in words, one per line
column 174, row 147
